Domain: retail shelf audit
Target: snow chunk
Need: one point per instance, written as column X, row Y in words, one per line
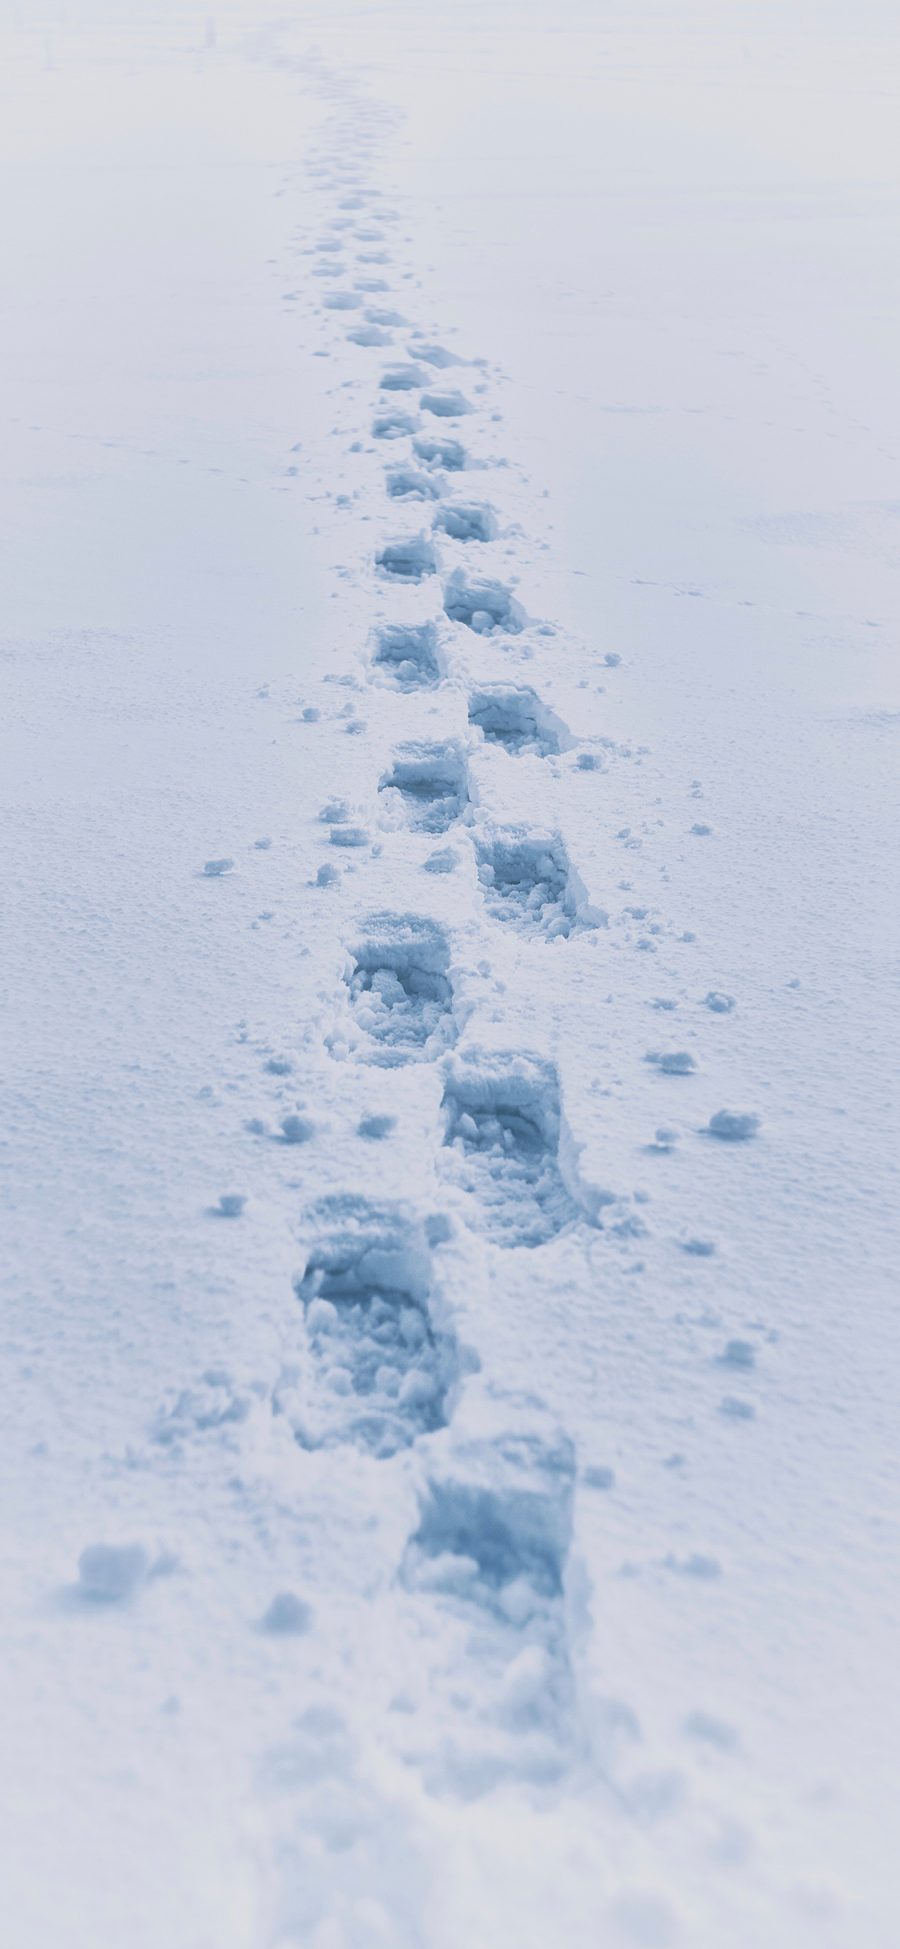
column 108, row 1573
column 734, row 1126
column 287, row 1616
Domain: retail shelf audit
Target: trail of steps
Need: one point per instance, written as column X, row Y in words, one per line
column 495, row 1500
column 390, row 1363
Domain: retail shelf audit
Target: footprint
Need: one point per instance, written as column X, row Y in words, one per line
column 110, row 1573
column 383, row 315
column 445, row 406
column 381, row 1367
column 407, row 654
column 482, row 604
column 406, row 484
column 525, row 881
column 515, row 718
column 341, row 301
column 429, row 781
column 438, row 452
column 407, row 560
column 495, row 1522
column 502, row 1124
column 467, row 521
column 393, row 425
column 436, row 355
column 369, row 335
column 400, row 990
column 501, row 1502
column 402, row 379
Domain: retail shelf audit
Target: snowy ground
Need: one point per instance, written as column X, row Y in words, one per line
column 449, row 790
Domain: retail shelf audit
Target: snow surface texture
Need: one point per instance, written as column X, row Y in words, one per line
column 449, row 1442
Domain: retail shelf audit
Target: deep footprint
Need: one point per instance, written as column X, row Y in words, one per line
column 501, row 1147
column 445, row 405
column 407, row 560
column 467, row 521
column 369, row 335
column 407, row 655
column 495, row 1523
column 400, row 990
column 402, row 379
column 393, row 425
column 440, row 452
column 482, row 604
column 525, row 882
column 381, row 1370
column 429, row 781
column 516, row 719
column 408, row 484
column 436, row 355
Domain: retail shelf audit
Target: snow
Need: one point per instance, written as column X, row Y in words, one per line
column 449, row 796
